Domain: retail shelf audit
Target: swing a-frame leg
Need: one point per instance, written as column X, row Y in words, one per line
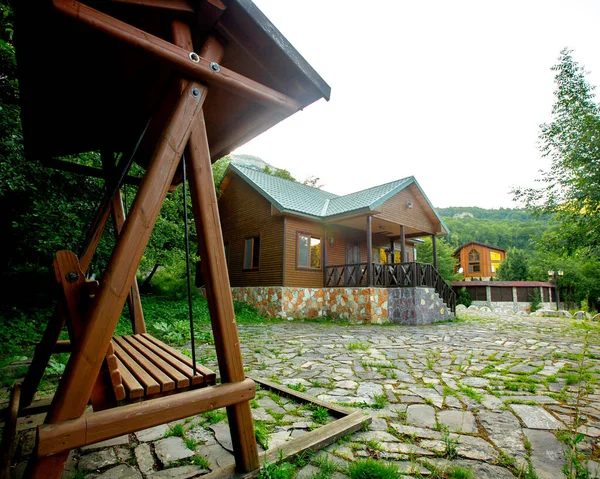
column 90, row 350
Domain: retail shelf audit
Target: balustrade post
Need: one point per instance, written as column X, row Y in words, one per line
column 369, row 251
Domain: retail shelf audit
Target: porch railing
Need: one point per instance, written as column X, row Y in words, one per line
column 396, row 275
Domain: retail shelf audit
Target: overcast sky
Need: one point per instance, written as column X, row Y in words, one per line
column 451, row 92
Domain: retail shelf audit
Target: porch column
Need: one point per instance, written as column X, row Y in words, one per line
column 324, row 258
column 369, row 252
column 434, row 245
column 392, row 249
column 402, row 244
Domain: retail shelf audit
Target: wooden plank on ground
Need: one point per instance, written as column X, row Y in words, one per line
column 334, row 409
column 311, row 441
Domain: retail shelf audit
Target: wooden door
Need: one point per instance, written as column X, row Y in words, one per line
column 352, row 273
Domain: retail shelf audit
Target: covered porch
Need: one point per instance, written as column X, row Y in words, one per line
column 385, row 258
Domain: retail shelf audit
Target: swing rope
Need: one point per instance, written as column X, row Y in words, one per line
column 187, row 263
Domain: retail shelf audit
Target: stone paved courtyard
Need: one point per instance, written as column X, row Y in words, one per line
column 490, row 393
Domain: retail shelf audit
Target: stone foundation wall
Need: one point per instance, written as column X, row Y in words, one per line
column 417, row 306
column 373, row 305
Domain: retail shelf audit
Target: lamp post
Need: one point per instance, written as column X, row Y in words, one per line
column 555, row 275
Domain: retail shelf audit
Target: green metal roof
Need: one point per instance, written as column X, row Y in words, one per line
column 291, row 197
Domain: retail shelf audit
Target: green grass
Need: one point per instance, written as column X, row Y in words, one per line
column 379, row 401
column 297, row 387
column 372, row 469
column 201, row 461
column 213, row 417
column 320, row 415
column 176, row 430
column 457, row 472
column 470, row 392
column 357, row 346
column 285, row 470
column 262, row 433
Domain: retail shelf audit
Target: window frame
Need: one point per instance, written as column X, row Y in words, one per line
column 310, row 236
column 252, row 267
column 475, row 262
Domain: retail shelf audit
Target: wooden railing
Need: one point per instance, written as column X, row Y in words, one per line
column 397, row 275
column 343, row 275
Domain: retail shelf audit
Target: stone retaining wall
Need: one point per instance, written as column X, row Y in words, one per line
column 417, row 306
column 373, row 305
column 508, row 306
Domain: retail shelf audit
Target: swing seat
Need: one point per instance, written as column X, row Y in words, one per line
column 146, row 367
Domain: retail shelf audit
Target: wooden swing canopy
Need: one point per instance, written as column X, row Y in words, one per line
column 151, row 80
column 92, row 77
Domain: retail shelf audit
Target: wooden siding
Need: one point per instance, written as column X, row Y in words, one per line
column 419, row 217
column 484, row 260
column 245, row 213
column 294, row 276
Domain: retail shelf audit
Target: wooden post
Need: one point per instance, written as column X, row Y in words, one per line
column 134, row 300
column 392, row 250
column 369, row 251
column 402, row 244
column 214, row 270
column 324, row 258
column 434, row 247
column 78, row 380
column 218, row 293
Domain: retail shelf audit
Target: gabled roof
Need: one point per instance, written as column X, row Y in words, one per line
column 478, row 243
column 291, row 197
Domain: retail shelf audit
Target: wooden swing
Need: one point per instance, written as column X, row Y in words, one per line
column 123, row 76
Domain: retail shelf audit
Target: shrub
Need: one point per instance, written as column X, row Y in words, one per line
column 464, row 297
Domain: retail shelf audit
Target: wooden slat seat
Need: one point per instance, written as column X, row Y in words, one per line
column 149, row 367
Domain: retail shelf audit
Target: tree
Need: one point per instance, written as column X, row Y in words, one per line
column 571, row 187
column 446, row 263
column 514, row 267
column 313, row 181
column 279, row 173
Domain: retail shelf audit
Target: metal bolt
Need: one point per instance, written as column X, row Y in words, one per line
column 215, row 67
column 72, row 277
column 194, row 57
column 195, row 93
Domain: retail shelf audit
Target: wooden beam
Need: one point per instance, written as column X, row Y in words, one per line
column 134, row 300
column 334, row 409
column 311, row 441
column 180, row 6
column 102, row 425
column 369, row 251
column 41, row 357
column 434, row 247
column 402, row 244
column 177, row 57
column 7, row 446
column 85, row 170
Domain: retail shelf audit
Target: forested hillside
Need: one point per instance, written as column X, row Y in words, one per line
column 505, row 228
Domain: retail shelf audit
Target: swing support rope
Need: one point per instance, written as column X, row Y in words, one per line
column 187, row 264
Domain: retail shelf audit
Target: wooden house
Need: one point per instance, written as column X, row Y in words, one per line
column 283, row 234
column 479, row 261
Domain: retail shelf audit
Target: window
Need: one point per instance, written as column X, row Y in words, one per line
column 309, row 251
column 474, row 266
column 251, row 252
column 495, row 260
